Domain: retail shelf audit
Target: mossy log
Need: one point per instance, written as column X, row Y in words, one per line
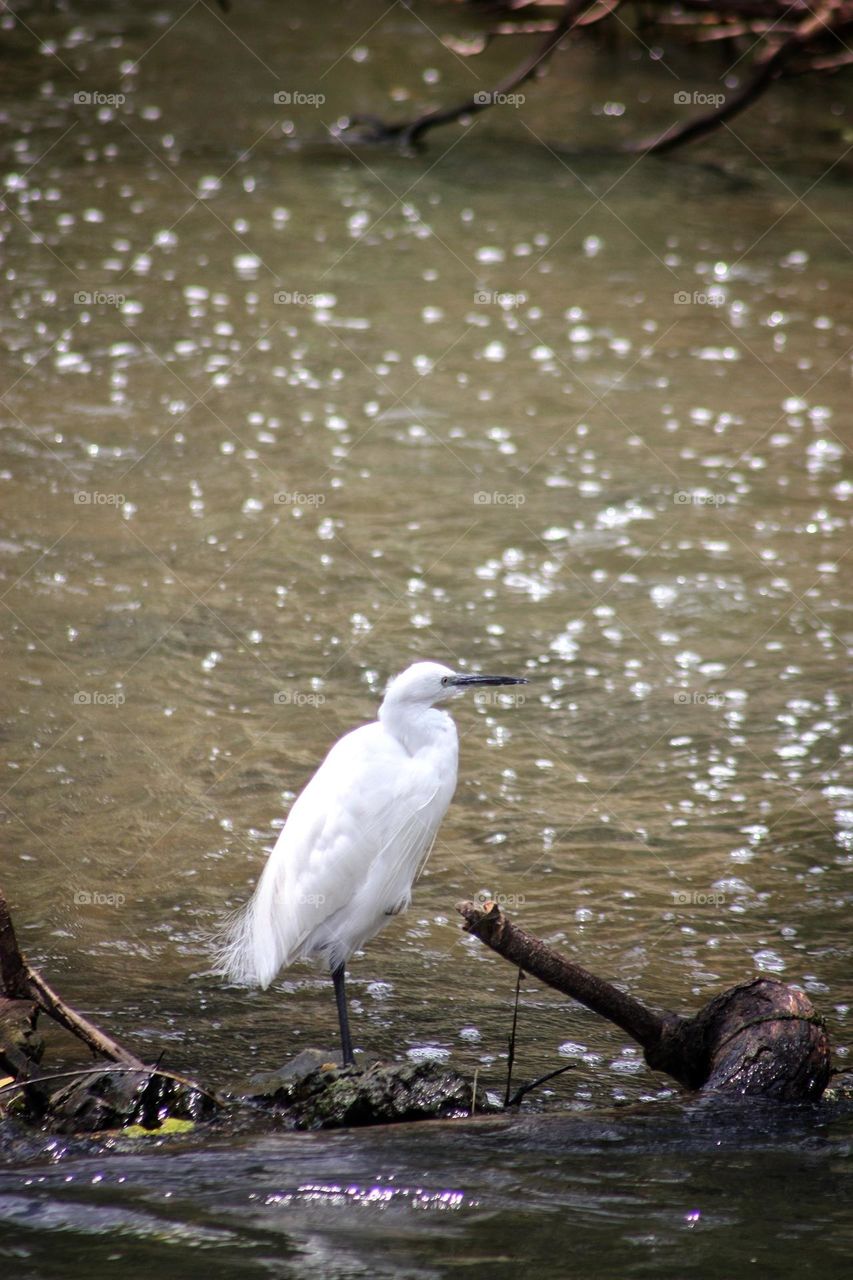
column 20, row 1044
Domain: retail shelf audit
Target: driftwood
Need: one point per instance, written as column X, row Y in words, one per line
column 786, row 37
column 760, row 1038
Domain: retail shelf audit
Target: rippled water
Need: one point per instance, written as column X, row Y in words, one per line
column 650, row 1195
column 279, row 418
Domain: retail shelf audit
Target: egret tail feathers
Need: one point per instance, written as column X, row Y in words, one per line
column 248, row 948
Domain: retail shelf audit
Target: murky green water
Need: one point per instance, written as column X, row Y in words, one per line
column 280, row 418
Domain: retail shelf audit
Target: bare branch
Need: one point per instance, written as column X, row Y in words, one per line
column 20, row 982
column 410, row 132
column 783, row 30
column 769, row 67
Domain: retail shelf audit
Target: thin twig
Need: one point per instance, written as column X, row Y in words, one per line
column 523, row 1090
column 115, row 1069
column 21, row 982
column 511, row 1052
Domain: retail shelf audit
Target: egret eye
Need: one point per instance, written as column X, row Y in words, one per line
column 445, row 679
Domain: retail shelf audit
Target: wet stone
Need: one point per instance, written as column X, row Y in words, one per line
column 112, row 1099
column 316, row 1092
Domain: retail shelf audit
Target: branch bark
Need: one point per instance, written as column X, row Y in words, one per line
column 20, row 982
column 647, row 1026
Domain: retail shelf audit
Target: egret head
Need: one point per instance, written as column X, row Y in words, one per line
column 425, row 683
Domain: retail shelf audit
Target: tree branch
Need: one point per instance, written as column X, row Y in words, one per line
column 781, row 28
column 649, row 1027
column 769, row 66
column 20, row 982
column 761, row 1037
column 410, row 132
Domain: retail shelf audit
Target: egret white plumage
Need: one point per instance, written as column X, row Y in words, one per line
column 356, row 837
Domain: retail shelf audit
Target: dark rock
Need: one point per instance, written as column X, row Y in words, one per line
column 111, row 1099
column 269, row 1084
column 318, row 1093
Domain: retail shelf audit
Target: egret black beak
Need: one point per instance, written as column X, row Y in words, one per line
column 463, row 681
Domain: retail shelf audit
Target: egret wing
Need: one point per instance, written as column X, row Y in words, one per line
column 362, row 859
column 343, row 859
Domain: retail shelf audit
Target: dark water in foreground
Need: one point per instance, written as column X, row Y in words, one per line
column 663, row 1191
column 279, row 418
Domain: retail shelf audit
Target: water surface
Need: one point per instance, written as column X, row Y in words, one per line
column 281, row 417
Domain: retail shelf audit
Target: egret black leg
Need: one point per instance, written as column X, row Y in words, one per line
column 343, row 1018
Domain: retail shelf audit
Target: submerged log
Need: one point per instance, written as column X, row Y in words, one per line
column 109, row 1099
column 313, row 1091
column 760, row 1038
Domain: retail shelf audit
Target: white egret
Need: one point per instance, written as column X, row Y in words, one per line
column 355, row 838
